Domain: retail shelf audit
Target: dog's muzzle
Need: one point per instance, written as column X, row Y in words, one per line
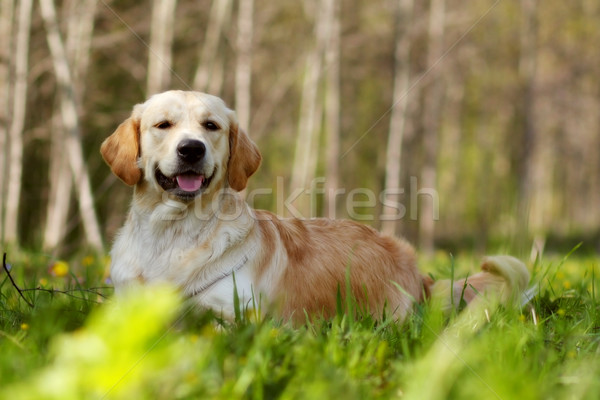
column 189, row 180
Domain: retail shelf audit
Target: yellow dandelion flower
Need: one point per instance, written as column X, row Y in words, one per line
column 567, row 285
column 43, row 281
column 24, row 326
column 59, row 269
column 87, row 261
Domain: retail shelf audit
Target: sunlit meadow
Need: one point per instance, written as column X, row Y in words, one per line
column 63, row 337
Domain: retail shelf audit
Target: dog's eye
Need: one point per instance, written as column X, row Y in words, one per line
column 164, row 125
column 211, row 126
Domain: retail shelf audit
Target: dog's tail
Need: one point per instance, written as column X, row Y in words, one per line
column 503, row 278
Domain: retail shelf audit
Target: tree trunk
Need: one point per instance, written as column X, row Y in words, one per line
column 306, row 125
column 71, row 125
column 243, row 70
column 79, row 41
column 6, row 25
column 79, row 35
column 161, row 43
column 309, row 126
column 209, row 74
column 332, row 108
column 393, row 163
column 61, row 185
column 15, row 161
column 431, row 124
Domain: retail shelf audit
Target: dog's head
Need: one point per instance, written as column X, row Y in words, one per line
column 182, row 143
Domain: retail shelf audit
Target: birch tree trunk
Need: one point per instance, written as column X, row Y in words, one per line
column 79, row 37
column 243, row 70
column 393, row 158
column 209, row 74
column 161, row 43
column 71, row 125
column 308, row 125
column 61, row 186
column 431, row 124
column 15, row 160
column 79, row 41
column 332, row 108
column 6, row 25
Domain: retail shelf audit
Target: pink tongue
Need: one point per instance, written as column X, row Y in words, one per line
column 190, row 183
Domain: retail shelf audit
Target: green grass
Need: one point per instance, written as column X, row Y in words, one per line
column 79, row 344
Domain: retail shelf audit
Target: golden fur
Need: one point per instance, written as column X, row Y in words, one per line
column 200, row 239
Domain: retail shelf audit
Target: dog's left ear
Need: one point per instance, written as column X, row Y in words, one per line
column 122, row 149
column 244, row 157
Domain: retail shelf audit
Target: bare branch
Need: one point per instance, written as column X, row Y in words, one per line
column 13, row 281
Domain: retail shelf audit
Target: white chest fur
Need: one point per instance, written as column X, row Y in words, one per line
column 202, row 257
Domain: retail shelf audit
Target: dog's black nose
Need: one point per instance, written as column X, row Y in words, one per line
column 190, row 150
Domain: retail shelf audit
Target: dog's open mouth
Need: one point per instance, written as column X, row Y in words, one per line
column 185, row 185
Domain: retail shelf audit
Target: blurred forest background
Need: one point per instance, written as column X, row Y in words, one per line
column 492, row 106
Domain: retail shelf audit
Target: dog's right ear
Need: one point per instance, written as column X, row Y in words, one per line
column 122, row 149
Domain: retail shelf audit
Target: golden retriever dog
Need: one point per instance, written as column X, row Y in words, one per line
column 187, row 159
